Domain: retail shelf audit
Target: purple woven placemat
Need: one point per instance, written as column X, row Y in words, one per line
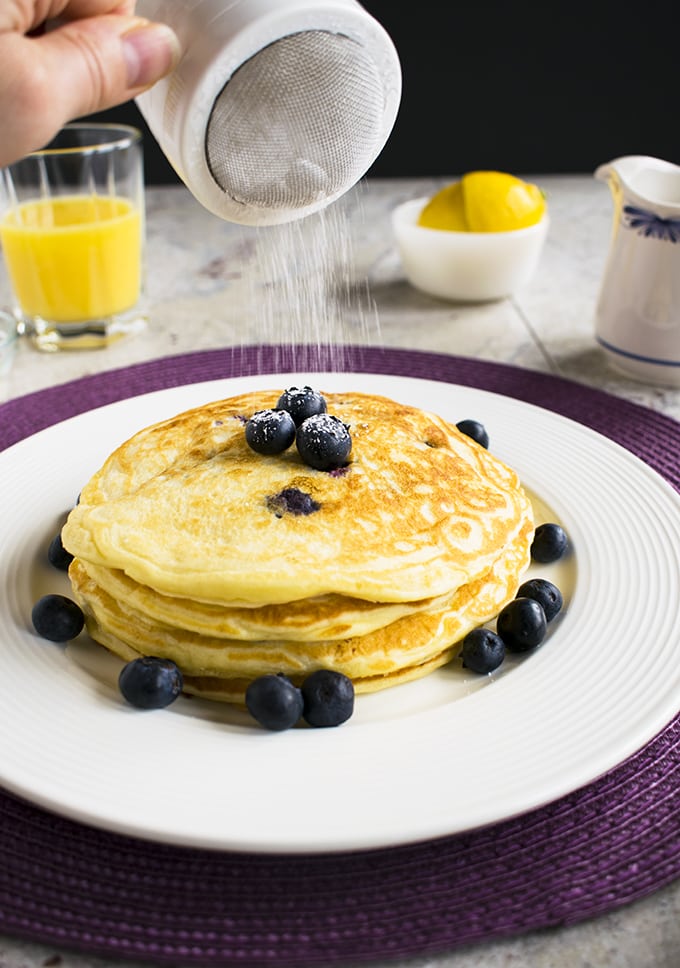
column 600, row 847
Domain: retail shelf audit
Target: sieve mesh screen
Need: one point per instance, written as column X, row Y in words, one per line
column 297, row 122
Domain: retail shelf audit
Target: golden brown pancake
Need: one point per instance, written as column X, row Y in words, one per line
column 187, row 509
column 190, row 546
column 405, row 649
column 321, row 617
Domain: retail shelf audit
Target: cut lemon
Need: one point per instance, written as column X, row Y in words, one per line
column 445, row 210
column 497, row 202
column 484, row 201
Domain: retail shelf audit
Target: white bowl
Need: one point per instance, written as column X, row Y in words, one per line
column 466, row 266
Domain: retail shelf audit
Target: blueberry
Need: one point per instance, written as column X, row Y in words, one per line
column 549, row 544
column 291, row 500
column 270, row 431
column 150, row 682
column 483, row 651
column 545, row 593
column 57, row 618
column 301, row 403
column 323, row 442
column 474, row 429
column 57, row 555
column 522, row 624
column 274, row 702
column 328, row 698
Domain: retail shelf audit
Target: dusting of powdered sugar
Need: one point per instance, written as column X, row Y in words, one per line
column 304, row 289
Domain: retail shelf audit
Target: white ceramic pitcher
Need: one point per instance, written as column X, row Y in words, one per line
column 637, row 319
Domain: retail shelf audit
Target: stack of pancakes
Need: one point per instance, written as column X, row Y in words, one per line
column 190, row 546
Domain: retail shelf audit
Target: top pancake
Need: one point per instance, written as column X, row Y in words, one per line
column 188, row 509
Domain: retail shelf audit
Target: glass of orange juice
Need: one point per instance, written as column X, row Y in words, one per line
column 72, row 237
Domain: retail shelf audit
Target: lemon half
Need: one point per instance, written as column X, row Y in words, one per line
column 484, row 201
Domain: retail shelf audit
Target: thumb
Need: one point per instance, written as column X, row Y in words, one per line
column 81, row 67
column 98, row 62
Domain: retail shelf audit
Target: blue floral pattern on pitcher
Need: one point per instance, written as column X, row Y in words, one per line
column 651, row 225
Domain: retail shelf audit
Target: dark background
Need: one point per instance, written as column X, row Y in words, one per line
column 521, row 87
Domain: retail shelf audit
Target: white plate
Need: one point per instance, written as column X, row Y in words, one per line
column 443, row 755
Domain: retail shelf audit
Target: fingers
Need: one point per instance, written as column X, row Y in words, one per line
column 102, row 61
column 78, row 9
column 83, row 67
column 23, row 16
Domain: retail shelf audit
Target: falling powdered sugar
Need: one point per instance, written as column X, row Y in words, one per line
column 304, row 291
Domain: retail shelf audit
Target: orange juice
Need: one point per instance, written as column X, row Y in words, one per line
column 73, row 258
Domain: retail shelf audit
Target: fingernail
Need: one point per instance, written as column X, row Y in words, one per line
column 151, row 51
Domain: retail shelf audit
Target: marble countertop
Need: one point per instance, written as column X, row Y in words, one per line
column 213, row 284
column 209, row 284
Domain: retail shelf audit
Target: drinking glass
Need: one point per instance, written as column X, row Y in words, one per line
column 72, row 236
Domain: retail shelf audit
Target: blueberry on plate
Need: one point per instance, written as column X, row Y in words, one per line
column 150, row 683
column 270, row 431
column 57, row 555
column 274, row 701
column 474, row 429
column 328, row 698
column 545, row 593
column 522, row 624
column 57, row 618
column 323, row 442
column 301, row 403
column 549, row 544
column 482, row 651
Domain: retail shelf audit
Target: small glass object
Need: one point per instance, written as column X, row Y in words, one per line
column 72, row 235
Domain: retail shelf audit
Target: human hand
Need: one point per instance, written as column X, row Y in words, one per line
column 62, row 59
